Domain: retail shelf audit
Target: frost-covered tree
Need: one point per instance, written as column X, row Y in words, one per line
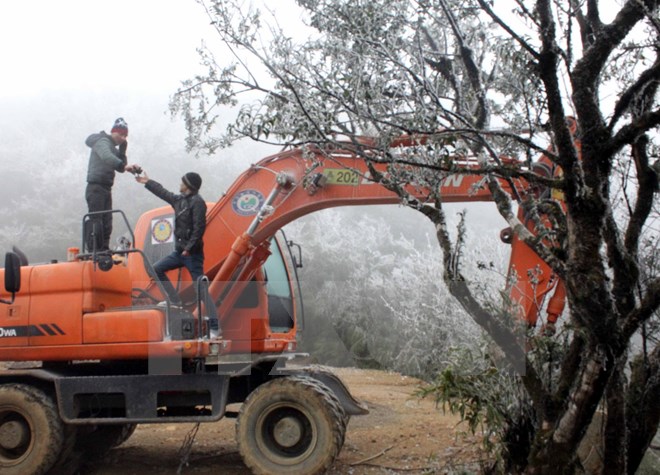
column 368, row 282
column 490, row 79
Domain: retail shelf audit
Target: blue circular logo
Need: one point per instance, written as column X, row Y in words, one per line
column 247, row 202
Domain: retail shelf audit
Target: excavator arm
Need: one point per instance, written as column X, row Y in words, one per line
column 287, row 185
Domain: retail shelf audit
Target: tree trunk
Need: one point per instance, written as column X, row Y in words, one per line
column 642, row 407
column 555, row 448
column 614, row 456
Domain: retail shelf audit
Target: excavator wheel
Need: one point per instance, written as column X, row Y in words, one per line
column 100, row 439
column 293, row 424
column 31, row 431
column 88, row 444
column 127, row 430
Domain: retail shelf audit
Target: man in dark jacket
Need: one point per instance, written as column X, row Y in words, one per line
column 189, row 225
column 108, row 155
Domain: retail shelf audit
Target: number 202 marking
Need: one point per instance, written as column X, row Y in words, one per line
column 342, row 177
column 347, row 176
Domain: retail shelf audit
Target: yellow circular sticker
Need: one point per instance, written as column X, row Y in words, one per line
column 161, row 230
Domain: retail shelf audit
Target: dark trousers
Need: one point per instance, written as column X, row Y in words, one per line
column 98, row 228
column 194, row 263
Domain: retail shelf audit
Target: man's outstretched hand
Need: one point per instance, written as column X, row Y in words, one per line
column 143, row 178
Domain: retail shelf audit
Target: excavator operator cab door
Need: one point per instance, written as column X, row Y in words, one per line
column 281, row 303
column 290, row 256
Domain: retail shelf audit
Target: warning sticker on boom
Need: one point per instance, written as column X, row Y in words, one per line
column 341, row 176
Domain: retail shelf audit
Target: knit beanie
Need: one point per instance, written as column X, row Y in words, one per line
column 120, row 126
column 193, row 181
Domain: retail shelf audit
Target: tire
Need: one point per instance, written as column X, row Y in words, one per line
column 290, row 425
column 31, row 431
column 89, row 444
column 128, row 431
column 101, row 438
column 69, row 460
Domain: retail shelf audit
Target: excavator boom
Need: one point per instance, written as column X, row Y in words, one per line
column 287, row 185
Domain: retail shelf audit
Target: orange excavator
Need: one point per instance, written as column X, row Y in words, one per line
column 90, row 351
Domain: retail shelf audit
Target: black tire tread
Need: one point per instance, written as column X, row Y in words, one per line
column 104, row 437
column 36, row 401
column 297, row 383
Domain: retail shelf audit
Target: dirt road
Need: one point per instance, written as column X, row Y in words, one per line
column 402, row 434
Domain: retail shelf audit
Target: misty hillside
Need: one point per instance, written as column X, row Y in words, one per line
column 364, row 266
column 44, row 165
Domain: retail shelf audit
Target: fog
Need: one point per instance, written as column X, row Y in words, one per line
column 75, row 66
column 44, row 166
column 70, row 69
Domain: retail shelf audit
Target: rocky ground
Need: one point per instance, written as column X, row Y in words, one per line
column 401, row 434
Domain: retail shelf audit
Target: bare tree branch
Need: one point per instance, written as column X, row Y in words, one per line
column 647, row 78
column 645, row 309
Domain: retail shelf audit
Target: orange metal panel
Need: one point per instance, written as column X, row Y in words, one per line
column 168, row 349
column 55, row 292
column 104, row 290
column 123, row 326
column 274, row 344
column 60, row 293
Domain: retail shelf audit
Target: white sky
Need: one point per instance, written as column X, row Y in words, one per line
column 142, row 45
column 91, row 44
column 86, row 62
